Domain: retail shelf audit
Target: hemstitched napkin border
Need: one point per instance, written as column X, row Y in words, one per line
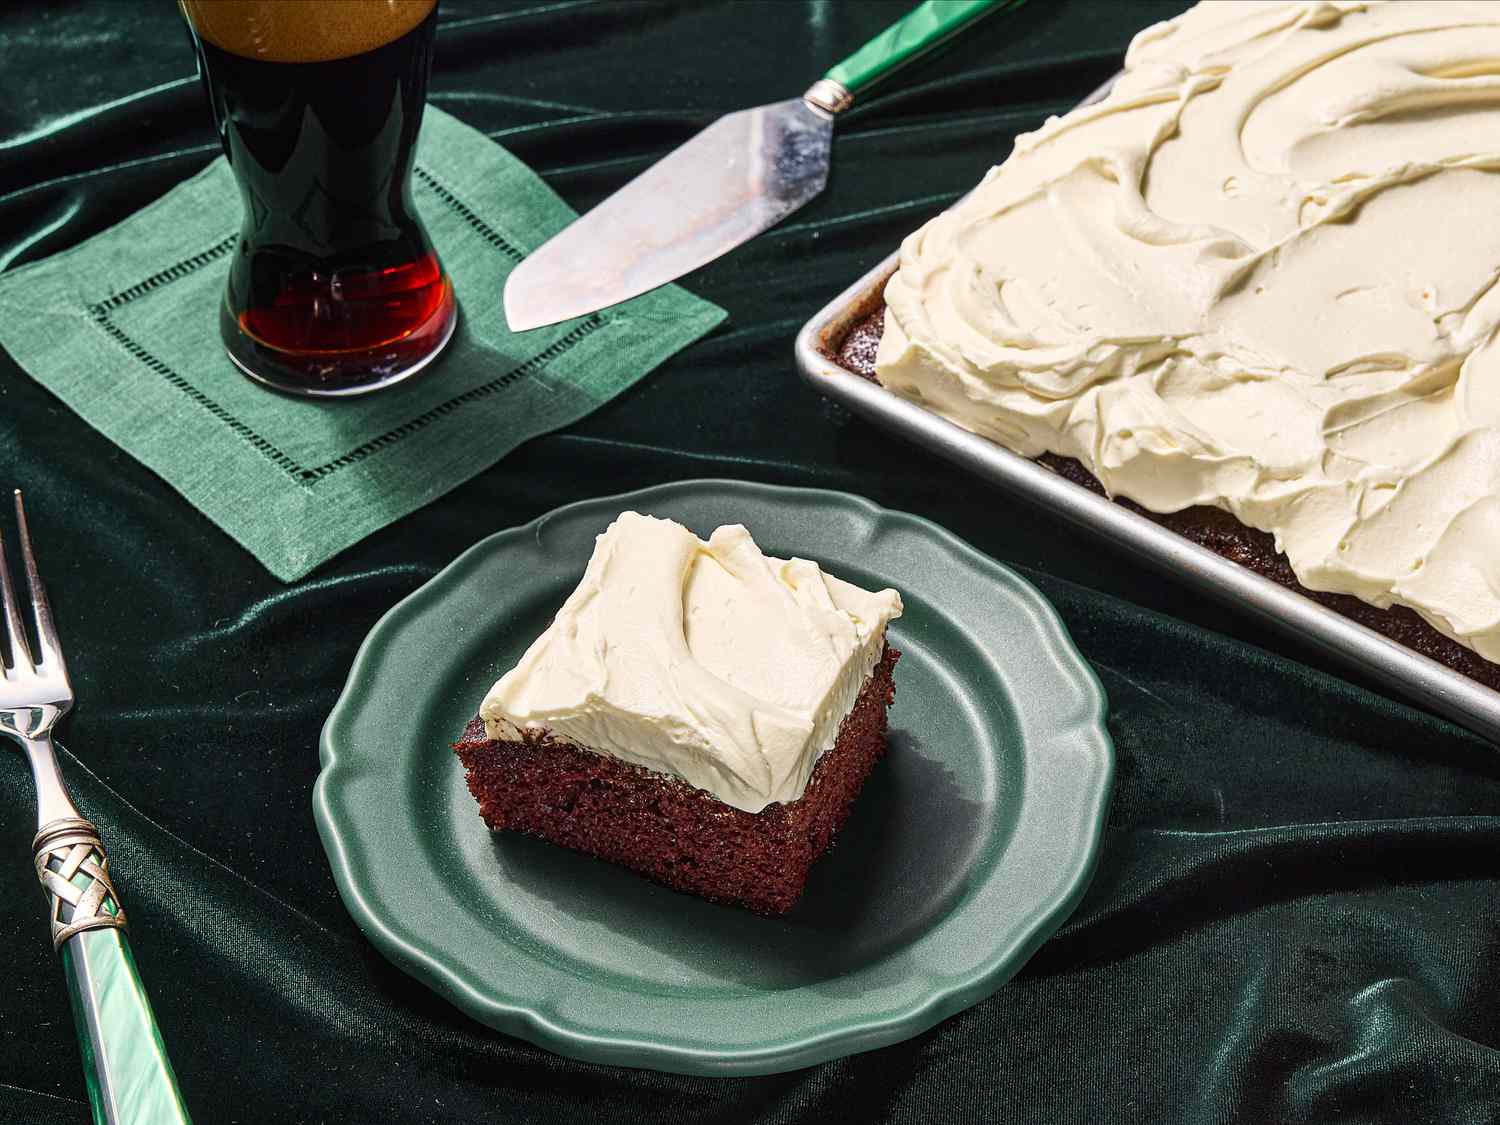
column 101, row 311
column 290, row 510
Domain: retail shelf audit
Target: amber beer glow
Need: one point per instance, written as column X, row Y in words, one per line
column 334, row 287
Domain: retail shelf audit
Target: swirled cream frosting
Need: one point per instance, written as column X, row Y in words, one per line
column 708, row 661
column 1260, row 275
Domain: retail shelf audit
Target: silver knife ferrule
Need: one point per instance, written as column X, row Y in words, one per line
column 828, row 95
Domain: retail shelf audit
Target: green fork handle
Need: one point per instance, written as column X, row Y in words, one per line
column 919, row 31
column 129, row 1077
column 124, row 1061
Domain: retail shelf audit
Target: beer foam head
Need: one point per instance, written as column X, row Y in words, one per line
column 303, row 30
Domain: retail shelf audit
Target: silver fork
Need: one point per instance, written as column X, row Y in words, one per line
column 128, row 1074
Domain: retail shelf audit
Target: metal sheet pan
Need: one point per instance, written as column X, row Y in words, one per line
column 1409, row 673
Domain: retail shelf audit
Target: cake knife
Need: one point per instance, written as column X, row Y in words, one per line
column 744, row 173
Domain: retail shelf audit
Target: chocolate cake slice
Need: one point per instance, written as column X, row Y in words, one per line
column 667, row 830
column 697, row 712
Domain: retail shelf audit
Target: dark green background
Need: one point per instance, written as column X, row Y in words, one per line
column 1295, row 917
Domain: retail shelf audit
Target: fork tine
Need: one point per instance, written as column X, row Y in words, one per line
column 20, row 654
column 48, row 650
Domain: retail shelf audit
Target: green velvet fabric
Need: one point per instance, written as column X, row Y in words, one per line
column 1294, row 917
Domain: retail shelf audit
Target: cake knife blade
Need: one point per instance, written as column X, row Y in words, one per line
column 741, row 175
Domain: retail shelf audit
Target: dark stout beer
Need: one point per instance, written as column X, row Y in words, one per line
column 334, row 287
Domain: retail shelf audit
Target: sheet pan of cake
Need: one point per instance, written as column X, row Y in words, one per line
column 1408, row 672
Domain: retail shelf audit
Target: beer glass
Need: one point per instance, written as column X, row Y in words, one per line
column 334, row 287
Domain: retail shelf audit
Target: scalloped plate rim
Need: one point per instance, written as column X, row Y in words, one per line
column 945, row 997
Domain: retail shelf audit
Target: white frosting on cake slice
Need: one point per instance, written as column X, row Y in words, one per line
column 708, row 661
column 1261, row 275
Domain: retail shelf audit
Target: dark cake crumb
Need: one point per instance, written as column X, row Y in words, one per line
column 857, row 349
column 668, row 830
column 1221, row 533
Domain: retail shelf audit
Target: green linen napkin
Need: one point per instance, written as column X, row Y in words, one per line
column 124, row 329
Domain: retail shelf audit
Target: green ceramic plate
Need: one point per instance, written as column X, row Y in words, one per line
column 971, row 843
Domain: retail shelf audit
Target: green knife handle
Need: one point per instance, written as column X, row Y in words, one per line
column 129, row 1077
column 923, row 28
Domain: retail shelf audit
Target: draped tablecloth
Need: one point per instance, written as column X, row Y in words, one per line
column 1296, row 916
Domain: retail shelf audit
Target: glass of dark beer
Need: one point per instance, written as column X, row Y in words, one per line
column 334, row 288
